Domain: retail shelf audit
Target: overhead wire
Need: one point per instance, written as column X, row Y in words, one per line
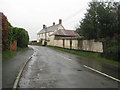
column 69, row 18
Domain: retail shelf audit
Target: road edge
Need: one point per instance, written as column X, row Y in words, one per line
column 15, row 85
column 102, row 73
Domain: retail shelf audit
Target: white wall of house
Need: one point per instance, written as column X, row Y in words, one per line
column 48, row 37
column 51, row 42
column 38, row 38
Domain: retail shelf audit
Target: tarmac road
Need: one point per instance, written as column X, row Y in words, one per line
column 51, row 68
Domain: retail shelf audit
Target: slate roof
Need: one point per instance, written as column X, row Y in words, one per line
column 63, row 32
column 49, row 29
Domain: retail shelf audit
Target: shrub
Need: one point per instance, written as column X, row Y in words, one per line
column 111, row 50
column 19, row 34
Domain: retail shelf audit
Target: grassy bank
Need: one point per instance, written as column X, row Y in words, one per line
column 38, row 44
column 95, row 56
column 9, row 54
column 22, row 49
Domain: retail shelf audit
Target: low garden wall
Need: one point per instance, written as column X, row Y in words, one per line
column 86, row 45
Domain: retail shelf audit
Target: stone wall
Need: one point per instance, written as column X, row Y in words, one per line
column 86, row 45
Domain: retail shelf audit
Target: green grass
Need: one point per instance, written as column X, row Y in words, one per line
column 22, row 49
column 9, row 54
column 95, row 56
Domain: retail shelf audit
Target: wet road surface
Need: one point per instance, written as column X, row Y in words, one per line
column 50, row 68
column 11, row 67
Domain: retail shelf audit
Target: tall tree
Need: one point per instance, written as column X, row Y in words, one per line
column 101, row 20
column 89, row 26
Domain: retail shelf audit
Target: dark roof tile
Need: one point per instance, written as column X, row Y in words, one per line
column 63, row 32
column 49, row 29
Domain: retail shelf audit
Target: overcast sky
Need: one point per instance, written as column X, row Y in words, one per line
column 32, row 14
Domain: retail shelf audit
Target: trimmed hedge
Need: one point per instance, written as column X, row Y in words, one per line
column 19, row 34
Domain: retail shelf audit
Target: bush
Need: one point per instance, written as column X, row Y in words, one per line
column 23, row 38
column 19, row 34
column 111, row 50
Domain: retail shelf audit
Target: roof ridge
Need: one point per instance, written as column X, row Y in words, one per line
column 53, row 25
column 49, row 28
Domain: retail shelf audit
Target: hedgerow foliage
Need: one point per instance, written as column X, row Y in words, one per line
column 19, row 34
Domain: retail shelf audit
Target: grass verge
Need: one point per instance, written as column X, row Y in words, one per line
column 36, row 44
column 95, row 56
column 9, row 54
column 22, row 49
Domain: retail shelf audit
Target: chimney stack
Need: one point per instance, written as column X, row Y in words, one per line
column 60, row 21
column 44, row 26
column 53, row 23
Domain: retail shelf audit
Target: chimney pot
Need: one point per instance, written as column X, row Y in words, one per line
column 53, row 23
column 60, row 21
column 44, row 26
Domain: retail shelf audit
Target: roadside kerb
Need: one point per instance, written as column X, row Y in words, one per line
column 20, row 73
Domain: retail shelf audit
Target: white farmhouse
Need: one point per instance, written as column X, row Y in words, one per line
column 44, row 35
column 57, row 35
